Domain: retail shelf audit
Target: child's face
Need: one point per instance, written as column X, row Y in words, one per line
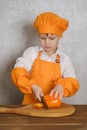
column 49, row 42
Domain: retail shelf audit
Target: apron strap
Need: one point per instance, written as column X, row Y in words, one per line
column 57, row 58
column 39, row 54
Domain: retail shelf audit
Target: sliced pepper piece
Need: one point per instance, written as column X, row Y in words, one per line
column 37, row 105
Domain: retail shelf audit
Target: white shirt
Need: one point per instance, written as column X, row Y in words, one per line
column 30, row 54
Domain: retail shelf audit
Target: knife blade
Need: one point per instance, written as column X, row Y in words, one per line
column 44, row 103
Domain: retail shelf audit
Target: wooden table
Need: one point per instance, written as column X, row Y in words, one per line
column 77, row 121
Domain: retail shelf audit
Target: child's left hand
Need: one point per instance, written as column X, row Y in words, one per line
column 58, row 90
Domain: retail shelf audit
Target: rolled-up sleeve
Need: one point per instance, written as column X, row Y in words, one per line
column 20, row 72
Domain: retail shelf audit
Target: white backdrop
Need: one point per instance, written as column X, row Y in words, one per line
column 17, row 33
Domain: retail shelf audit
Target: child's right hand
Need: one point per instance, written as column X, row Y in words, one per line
column 37, row 92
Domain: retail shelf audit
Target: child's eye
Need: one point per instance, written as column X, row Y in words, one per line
column 52, row 38
column 42, row 38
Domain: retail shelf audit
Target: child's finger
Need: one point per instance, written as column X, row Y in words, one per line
column 56, row 94
column 52, row 92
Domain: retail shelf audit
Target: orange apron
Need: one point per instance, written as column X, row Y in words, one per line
column 45, row 74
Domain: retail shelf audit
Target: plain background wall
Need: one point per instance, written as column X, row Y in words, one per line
column 17, row 33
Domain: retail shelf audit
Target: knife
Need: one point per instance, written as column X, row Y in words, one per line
column 44, row 103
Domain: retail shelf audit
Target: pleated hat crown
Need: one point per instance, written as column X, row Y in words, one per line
column 49, row 22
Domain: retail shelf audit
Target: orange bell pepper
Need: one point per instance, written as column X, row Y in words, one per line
column 51, row 102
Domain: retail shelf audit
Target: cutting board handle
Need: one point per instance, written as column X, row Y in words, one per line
column 7, row 110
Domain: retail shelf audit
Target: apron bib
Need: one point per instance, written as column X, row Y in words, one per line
column 45, row 74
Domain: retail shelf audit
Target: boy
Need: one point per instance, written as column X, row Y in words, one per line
column 44, row 69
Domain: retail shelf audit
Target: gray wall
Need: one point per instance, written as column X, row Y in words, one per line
column 17, row 33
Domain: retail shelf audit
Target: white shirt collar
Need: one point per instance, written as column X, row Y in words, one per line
column 57, row 51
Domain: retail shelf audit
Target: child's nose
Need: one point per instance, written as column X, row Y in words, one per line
column 47, row 40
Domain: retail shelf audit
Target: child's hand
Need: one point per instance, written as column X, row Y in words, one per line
column 37, row 92
column 58, row 90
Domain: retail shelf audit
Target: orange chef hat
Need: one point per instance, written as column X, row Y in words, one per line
column 49, row 22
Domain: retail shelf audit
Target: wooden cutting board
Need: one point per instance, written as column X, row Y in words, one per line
column 29, row 110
